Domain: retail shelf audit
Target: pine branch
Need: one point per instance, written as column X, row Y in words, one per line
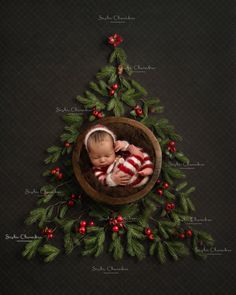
column 118, row 108
column 125, row 83
column 71, row 135
column 97, row 89
column 119, row 55
column 31, row 248
column 55, row 153
column 134, row 247
column 63, row 211
column 98, row 210
column 128, row 211
column 48, row 192
column 66, row 224
column 180, row 186
column 128, row 97
column 171, row 173
column 94, row 245
column 39, row 214
column 68, row 243
column 106, row 72
column 91, row 101
column 181, row 157
column 49, row 251
column 205, row 237
column 161, row 252
column 116, row 247
column 73, row 119
column 140, row 88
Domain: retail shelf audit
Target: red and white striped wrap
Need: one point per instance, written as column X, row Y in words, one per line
column 128, row 164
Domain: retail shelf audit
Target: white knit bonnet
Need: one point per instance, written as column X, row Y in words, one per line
column 95, row 128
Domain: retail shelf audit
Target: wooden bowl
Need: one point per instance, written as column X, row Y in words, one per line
column 135, row 133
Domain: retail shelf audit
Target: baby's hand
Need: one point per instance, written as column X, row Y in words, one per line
column 146, row 171
column 119, row 144
column 134, row 150
column 119, row 178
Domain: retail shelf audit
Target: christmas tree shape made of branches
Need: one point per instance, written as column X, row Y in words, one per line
column 157, row 225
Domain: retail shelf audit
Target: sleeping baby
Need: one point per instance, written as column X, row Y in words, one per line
column 133, row 168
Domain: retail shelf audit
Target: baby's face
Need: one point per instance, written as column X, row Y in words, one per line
column 102, row 153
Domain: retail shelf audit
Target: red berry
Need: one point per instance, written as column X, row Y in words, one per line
column 165, row 185
column 71, row 203
column 72, row 196
column 91, row 223
column 139, row 112
column 115, row 86
column 115, row 228
column 121, row 225
column 171, row 143
column 181, row 236
column 151, row 237
column 50, row 236
column 83, row 223
column 119, row 218
column 67, row 144
column 57, row 169
column 158, row 181
column 60, row 176
column 168, row 206
column 82, row 230
column 111, row 92
column 173, row 149
column 188, row 233
column 100, row 115
column 95, row 113
column 160, row 192
column 172, row 205
column 148, row 231
column 53, row 172
column 49, row 231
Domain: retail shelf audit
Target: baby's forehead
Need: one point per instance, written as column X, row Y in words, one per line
column 105, row 138
column 106, row 144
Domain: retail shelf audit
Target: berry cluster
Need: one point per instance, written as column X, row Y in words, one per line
column 82, row 228
column 115, row 40
column 114, row 88
column 57, row 173
column 171, row 146
column 48, row 232
column 71, row 202
column 165, row 185
column 97, row 113
column 187, row 233
column 169, row 206
column 149, row 233
column 117, row 223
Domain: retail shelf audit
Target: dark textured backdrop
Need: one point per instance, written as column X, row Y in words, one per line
column 50, row 50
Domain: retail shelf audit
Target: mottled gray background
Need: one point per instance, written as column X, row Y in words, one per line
column 50, row 50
